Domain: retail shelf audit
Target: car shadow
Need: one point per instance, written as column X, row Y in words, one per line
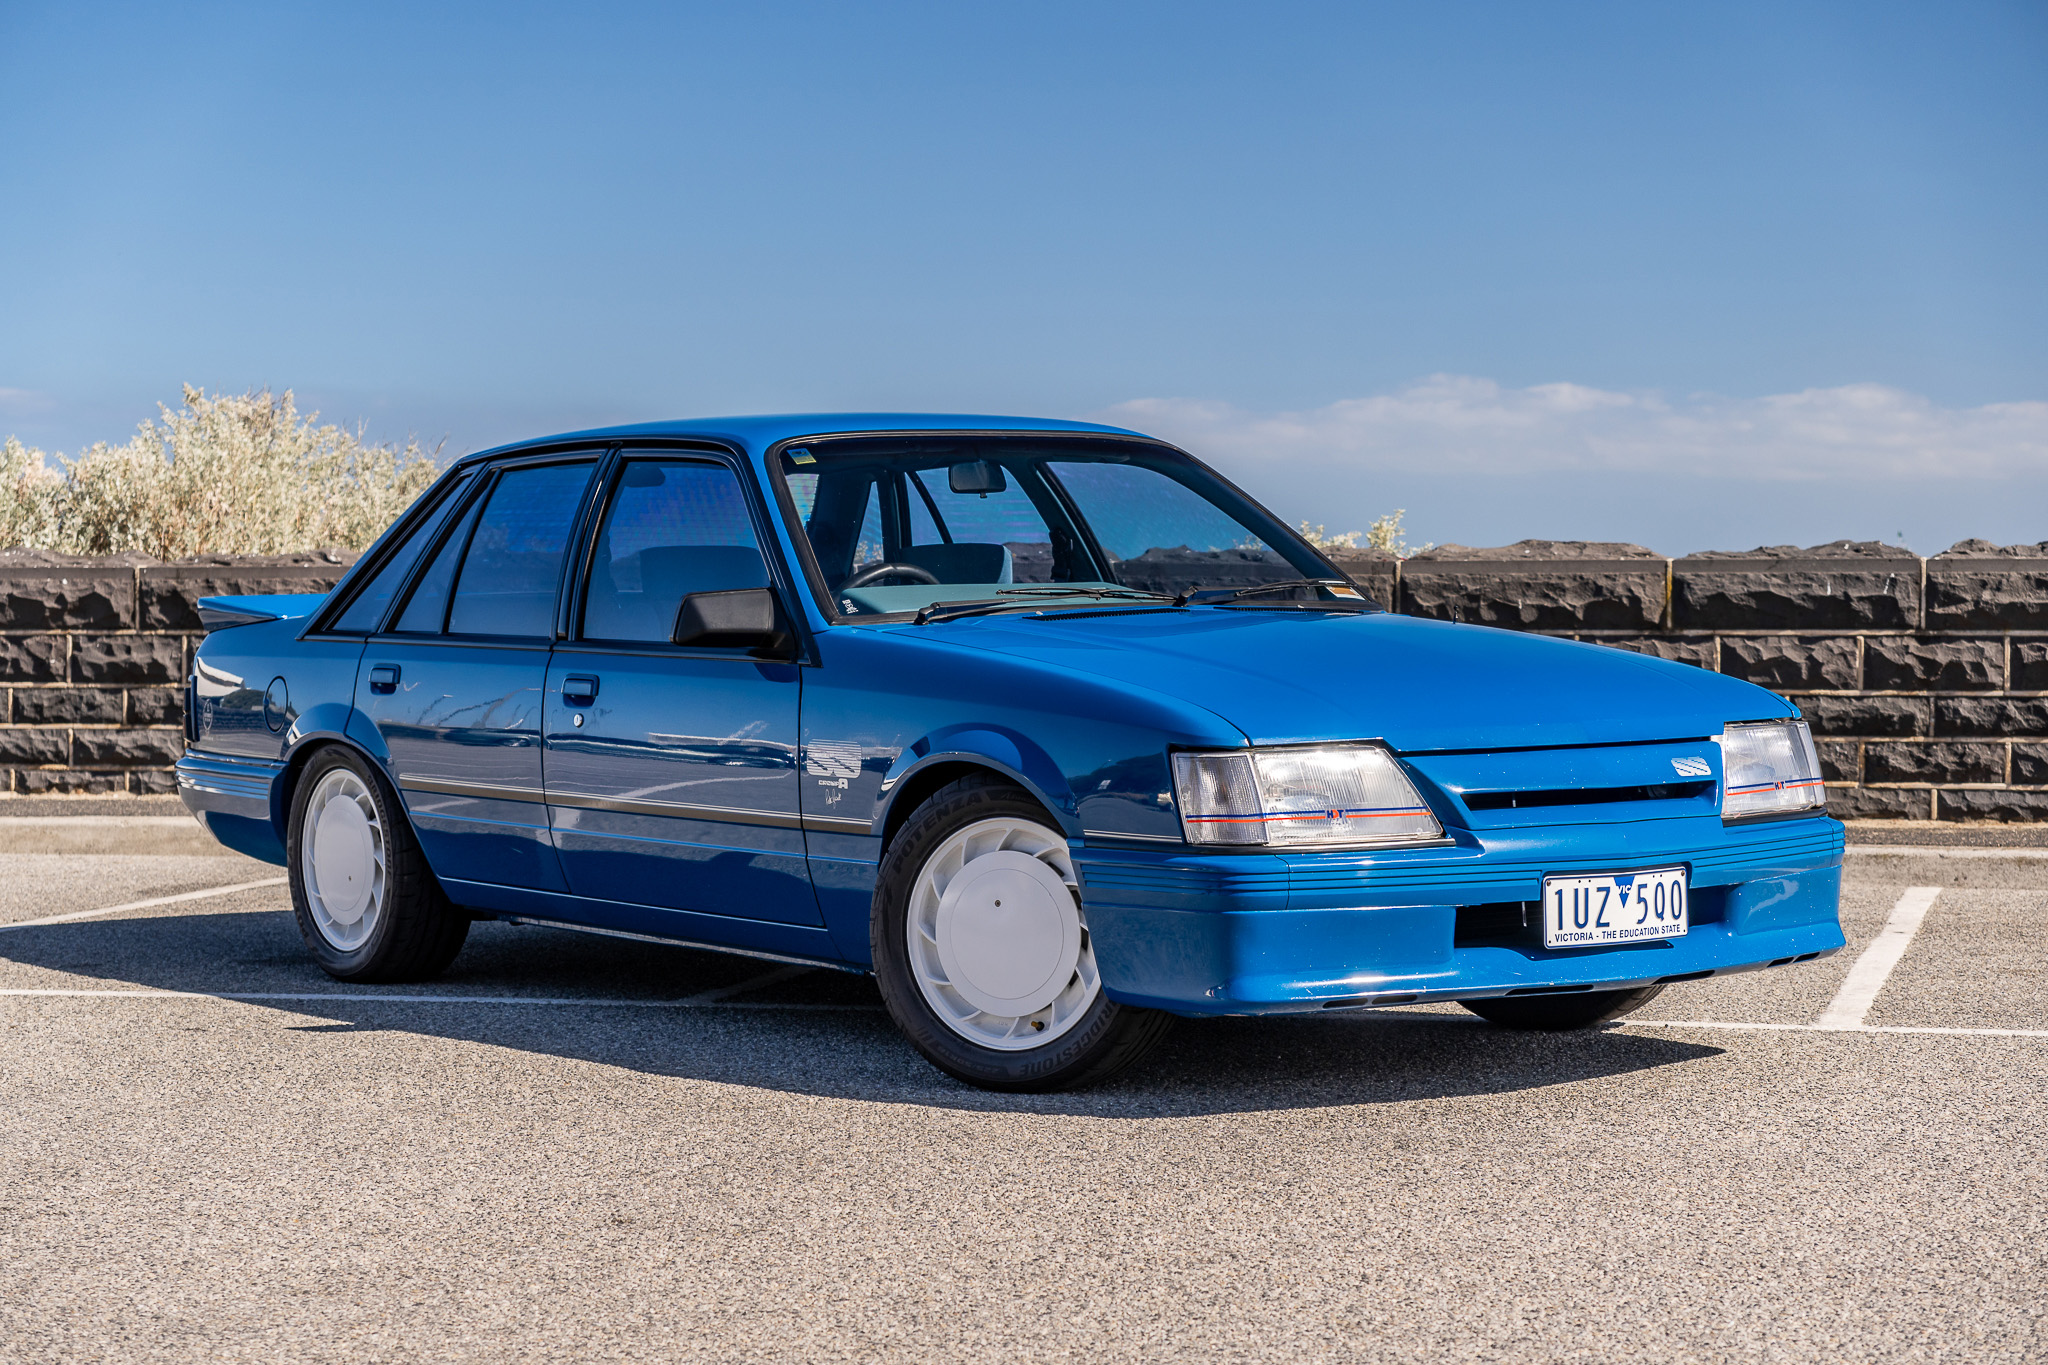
column 819, row 1032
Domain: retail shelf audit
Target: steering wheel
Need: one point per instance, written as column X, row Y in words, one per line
column 875, row 573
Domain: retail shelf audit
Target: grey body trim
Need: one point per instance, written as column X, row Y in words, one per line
column 482, row 790
column 732, row 815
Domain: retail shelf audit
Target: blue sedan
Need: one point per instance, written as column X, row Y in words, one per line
column 1044, row 724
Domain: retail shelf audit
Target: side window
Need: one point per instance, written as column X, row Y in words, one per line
column 981, row 523
column 869, row 547
column 842, row 515
column 995, row 518
column 507, row 582
column 674, row 527
column 803, row 490
column 362, row 615
column 918, row 503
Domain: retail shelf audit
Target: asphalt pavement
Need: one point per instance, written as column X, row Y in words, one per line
column 579, row 1148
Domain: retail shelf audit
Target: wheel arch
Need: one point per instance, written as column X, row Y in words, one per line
column 914, row 785
column 311, row 735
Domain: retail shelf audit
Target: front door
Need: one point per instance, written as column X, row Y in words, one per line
column 671, row 772
column 455, row 687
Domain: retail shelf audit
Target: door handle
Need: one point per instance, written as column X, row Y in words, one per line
column 384, row 679
column 579, row 690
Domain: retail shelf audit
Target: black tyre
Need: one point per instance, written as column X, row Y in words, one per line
column 1002, row 996
column 368, row 906
column 1579, row 1009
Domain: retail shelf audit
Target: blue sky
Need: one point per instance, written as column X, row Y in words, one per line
column 1698, row 276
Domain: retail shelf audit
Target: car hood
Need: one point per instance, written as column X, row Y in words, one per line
column 1420, row 685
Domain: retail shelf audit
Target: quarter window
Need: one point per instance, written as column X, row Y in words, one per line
column 366, row 611
column 674, row 527
column 426, row 611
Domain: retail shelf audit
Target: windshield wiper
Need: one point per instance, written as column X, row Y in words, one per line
column 1033, row 599
column 1353, row 600
column 1039, row 598
column 1054, row 590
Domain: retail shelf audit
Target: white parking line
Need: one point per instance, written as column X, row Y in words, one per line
column 365, row 997
column 693, row 1002
column 1844, row 1014
column 144, row 905
column 1740, row 1027
column 1935, row 851
column 146, row 822
column 1874, row 967
column 1836, row 1028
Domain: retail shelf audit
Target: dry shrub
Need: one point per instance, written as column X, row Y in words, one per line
column 222, row 475
column 1386, row 533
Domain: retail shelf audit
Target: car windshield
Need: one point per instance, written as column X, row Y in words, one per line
column 896, row 524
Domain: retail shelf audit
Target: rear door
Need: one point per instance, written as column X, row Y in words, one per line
column 454, row 686
column 671, row 772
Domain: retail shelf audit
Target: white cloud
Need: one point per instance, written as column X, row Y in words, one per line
column 17, row 401
column 1456, row 424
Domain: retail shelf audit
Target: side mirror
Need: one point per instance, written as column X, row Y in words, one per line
column 976, row 476
column 742, row 618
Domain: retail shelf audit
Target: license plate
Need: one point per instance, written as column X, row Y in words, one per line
column 1627, row 907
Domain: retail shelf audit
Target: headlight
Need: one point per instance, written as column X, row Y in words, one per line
column 1323, row 794
column 1769, row 769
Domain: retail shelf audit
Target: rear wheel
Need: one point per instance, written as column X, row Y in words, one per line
column 367, row 903
column 1579, row 1009
column 983, row 954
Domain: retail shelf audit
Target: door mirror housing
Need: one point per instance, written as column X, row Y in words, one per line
column 740, row 618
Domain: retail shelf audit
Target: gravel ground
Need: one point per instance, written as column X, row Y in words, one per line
column 1981, row 960
column 777, row 1177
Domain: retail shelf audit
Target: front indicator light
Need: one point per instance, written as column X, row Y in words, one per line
column 1312, row 795
column 1769, row 769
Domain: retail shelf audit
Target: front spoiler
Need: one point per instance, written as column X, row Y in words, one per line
column 1297, row 935
column 1288, row 962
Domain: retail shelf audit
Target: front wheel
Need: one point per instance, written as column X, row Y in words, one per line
column 983, row 954
column 368, row 905
column 1580, row 1009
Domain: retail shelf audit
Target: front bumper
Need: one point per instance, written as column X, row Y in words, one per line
column 1271, row 933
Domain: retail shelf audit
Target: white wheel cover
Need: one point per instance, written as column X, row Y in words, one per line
column 341, row 846
column 996, row 937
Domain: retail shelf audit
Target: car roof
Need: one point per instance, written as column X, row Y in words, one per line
column 757, row 433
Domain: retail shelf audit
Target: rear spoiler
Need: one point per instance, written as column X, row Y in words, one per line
column 218, row 613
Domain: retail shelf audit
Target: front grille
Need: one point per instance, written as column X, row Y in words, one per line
column 1586, row 796
column 1519, row 924
column 1500, row 924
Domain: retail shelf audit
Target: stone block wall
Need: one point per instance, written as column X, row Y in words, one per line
column 1925, row 680
column 93, row 658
